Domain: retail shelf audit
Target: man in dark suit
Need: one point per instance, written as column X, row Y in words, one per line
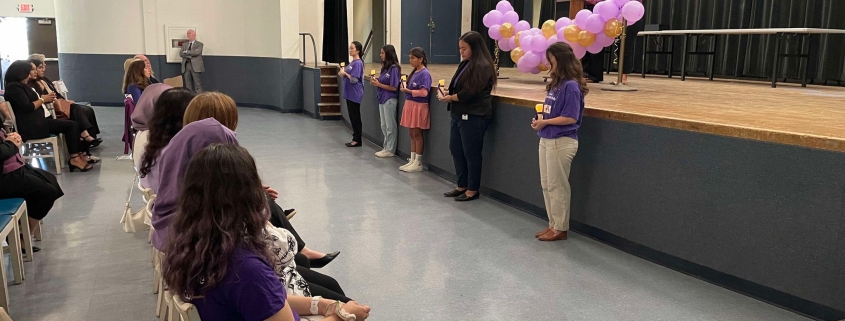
column 192, row 65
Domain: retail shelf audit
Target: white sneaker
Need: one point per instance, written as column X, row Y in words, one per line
column 384, row 154
column 410, row 161
column 414, row 167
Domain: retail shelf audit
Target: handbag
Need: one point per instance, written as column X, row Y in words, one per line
column 62, row 109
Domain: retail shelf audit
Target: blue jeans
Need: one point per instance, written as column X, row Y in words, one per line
column 387, row 111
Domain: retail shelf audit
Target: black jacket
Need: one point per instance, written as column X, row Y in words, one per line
column 472, row 103
column 31, row 122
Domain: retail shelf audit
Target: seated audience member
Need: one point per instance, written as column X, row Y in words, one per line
column 223, row 109
column 88, row 112
column 5, row 113
column 20, row 180
column 145, row 108
column 36, row 122
column 45, row 87
column 168, row 112
column 218, row 260
column 135, row 80
column 152, row 79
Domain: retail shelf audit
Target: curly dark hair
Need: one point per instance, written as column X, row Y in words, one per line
column 168, row 111
column 222, row 209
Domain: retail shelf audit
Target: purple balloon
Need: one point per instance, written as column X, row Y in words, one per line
column 511, row 17
column 544, row 59
column 604, row 40
column 494, row 33
column 595, row 24
column 581, row 18
column 531, row 59
column 492, row 18
column 512, row 43
column 579, row 50
column 633, row 11
column 608, row 11
column 539, row 43
column 524, row 39
column 504, row 44
column 536, row 31
column 522, row 26
column 595, row 48
column 504, row 6
column 562, row 23
column 535, row 70
column 551, row 41
column 620, row 3
column 522, row 65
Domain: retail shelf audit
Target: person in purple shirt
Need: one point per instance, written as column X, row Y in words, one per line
column 353, row 91
column 388, row 91
column 136, row 80
column 558, row 131
column 415, row 113
column 218, row 260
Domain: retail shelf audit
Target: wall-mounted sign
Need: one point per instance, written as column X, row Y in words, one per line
column 25, row 8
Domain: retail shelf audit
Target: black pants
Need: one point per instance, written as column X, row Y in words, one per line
column 39, row 188
column 593, row 65
column 322, row 285
column 85, row 117
column 70, row 129
column 355, row 118
column 632, row 32
column 466, row 142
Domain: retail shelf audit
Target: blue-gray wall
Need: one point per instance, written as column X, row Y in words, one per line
column 273, row 83
column 764, row 219
column 311, row 91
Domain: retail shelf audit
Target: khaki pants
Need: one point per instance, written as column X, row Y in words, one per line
column 555, row 161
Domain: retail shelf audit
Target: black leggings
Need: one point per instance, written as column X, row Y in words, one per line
column 322, row 285
column 355, row 118
column 70, row 129
column 85, row 117
column 38, row 188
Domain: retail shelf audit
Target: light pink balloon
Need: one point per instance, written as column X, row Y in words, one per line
column 562, row 23
column 539, row 44
column 604, row 40
column 493, row 32
column 633, row 11
column 608, row 11
column 595, row 48
column 531, row 59
column 535, row 70
column 522, row 66
column 581, row 18
column 620, row 3
column 522, row 26
column 504, row 6
column 504, row 45
column 523, row 38
column 492, row 18
column 511, row 17
column 512, row 43
column 551, row 41
column 536, row 31
column 579, row 50
column 544, row 59
column 595, row 24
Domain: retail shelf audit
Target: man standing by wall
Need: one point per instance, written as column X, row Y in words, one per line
column 192, row 62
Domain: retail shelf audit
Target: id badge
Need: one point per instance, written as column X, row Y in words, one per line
column 465, row 117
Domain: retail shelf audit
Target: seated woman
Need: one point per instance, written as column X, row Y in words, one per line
column 145, row 109
column 166, row 121
column 20, row 180
column 44, row 87
column 34, row 121
column 87, row 119
column 135, row 80
column 202, row 128
column 218, row 260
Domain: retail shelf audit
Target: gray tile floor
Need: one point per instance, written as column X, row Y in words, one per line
column 406, row 251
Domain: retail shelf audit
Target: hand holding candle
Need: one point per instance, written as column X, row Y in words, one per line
column 404, row 81
column 440, row 85
column 539, row 110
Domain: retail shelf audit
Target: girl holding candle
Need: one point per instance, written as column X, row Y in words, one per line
column 415, row 114
column 353, row 91
column 388, row 84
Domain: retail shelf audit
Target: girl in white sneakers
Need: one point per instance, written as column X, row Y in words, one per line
column 415, row 114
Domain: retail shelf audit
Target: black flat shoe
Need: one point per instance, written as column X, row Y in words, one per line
column 353, row 144
column 96, row 142
column 454, row 193
column 465, row 198
column 323, row 261
column 34, row 249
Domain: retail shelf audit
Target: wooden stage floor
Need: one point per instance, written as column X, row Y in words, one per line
column 812, row 117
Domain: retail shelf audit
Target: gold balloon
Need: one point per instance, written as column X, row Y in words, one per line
column 586, row 39
column 516, row 38
column 549, row 29
column 506, row 30
column 613, row 28
column 517, row 53
column 571, row 33
column 544, row 67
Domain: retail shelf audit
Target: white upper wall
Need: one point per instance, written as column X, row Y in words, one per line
column 42, row 8
column 97, row 29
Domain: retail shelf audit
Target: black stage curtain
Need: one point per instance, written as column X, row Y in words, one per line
column 481, row 8
column 547, row 11
column 751, row 56
column 335, row 32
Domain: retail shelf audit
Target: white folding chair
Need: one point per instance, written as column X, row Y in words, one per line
column 56, row 142
column 187, row 311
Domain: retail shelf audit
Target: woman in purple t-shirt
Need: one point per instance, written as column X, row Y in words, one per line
column 388, row 93
column 353, row 91
column 415, row 113
column 558, row 131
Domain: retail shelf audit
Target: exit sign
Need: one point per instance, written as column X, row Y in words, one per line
column 25, row 8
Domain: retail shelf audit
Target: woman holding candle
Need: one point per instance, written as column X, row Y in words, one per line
column 415, row 114
column 353, row 91
column 388, row 84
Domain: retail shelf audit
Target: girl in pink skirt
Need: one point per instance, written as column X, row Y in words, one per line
column 415, row 114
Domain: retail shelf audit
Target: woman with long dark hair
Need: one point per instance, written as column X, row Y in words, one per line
column 136, row 80
column 415, row 114
column 388, row 93
column 470, row 101
column 34, row 120
column 166, row 122
column 558, row 131
column 353, row 91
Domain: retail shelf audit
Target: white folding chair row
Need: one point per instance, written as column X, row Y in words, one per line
column 58, row 148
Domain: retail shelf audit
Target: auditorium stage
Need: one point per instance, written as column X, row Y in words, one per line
column 811, row 117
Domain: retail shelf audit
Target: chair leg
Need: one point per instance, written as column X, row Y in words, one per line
column 171, row 306
column 37, row 231
column 160, row 298
column 15, row 254
column 27, row 235
column 4, row 293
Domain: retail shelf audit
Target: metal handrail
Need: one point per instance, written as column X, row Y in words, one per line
column 313, row 43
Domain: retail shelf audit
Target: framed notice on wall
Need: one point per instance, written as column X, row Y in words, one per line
column 174, row 37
